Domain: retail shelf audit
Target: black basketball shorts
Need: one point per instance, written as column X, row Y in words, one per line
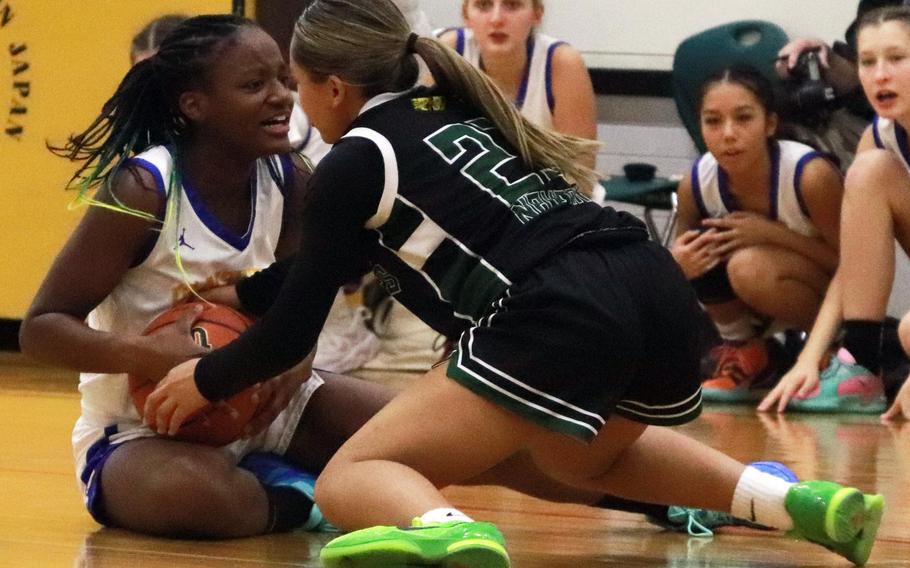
column 594, row 330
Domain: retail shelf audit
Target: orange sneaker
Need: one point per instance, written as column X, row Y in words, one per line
column 741, row 372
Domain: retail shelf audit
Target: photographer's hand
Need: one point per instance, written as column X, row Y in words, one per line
column 789, row 55
column 839, row 72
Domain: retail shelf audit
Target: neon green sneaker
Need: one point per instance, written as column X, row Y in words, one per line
column 453, row 544
column 839, row 518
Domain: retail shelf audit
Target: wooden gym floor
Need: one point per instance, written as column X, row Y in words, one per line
column 43, row 523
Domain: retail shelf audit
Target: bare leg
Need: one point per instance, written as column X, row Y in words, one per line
column 876, row 209
column 661, row 466
column 427, row 438
column 324, row 427
column 778, row 283
column 336, row 410
column 519, row 472
column 169, row 488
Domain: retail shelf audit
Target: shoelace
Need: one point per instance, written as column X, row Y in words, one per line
column 694, row 526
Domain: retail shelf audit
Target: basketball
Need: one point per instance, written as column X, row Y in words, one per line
column 214, row 327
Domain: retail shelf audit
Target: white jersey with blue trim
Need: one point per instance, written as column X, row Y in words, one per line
column 211, row 255
column 714, row 198
column 890, row 135
column 535, row 95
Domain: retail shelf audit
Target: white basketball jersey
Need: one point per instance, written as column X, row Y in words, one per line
column 713, row 197
column 535, row 95
column 890, row 135
column 211, row 254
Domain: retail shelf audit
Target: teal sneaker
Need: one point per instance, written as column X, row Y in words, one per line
column 455, row 544
column 272, row 471
column 701, row 522
column 845, row 386
column 839, row 518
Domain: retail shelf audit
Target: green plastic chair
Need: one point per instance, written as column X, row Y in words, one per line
column 656, row 194
column 750, row 42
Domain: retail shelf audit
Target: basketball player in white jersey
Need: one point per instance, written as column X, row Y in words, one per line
column 546, row 78
column 876, row 211
column 757, row 233
column 196, row 188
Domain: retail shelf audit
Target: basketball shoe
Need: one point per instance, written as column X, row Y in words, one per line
column 701, row 522
column 452, row 544
column 741, row 371
column 839, row 518
column 272, row 471
column 845, row 386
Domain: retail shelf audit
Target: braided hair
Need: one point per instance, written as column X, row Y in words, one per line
column 144, row 110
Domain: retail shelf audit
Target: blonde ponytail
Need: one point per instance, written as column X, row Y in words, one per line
column 366, row 43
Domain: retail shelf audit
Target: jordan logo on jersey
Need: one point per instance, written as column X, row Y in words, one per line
column 181, row 241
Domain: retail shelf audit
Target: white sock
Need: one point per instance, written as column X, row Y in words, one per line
column 759, row 497
column 444, row 515
column 738, row 330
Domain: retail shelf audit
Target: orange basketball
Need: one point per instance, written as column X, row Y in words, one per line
column 214, row 327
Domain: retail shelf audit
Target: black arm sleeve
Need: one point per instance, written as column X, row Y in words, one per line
column 258, row 292
column 343, row 194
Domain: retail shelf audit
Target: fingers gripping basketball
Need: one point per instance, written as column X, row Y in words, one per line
column 214, row 326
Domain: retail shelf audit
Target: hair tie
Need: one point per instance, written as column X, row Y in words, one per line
column 411, row 45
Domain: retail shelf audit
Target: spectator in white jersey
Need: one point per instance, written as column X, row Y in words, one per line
column 546, row 78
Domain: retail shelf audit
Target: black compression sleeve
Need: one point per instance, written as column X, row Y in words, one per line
column 343, row 193
column 258, row 292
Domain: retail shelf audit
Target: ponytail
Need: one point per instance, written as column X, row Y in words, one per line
column 368, row 44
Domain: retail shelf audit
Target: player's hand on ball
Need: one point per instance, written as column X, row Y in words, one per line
column 175, row 399
column 170, row 345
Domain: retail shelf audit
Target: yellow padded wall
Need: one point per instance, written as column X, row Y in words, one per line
column 59, row 61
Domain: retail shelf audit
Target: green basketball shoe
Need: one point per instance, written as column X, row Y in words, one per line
column 453, row 544
column 839, row 518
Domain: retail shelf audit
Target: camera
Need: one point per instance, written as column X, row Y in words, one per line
column 807, row 98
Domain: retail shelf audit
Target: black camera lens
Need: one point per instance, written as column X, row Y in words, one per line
column 807, row 98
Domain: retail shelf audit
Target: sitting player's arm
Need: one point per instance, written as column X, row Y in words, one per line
column 574, row 110
column 693, row 247
column 866, row 141
column 447, row 37
column 822, row 189
column 688, row 217
column 95, row 258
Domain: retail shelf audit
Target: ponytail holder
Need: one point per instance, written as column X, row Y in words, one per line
column 411, row 45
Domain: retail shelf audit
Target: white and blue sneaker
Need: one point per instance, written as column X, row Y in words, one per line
column 701, row 522
column 272, row 471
